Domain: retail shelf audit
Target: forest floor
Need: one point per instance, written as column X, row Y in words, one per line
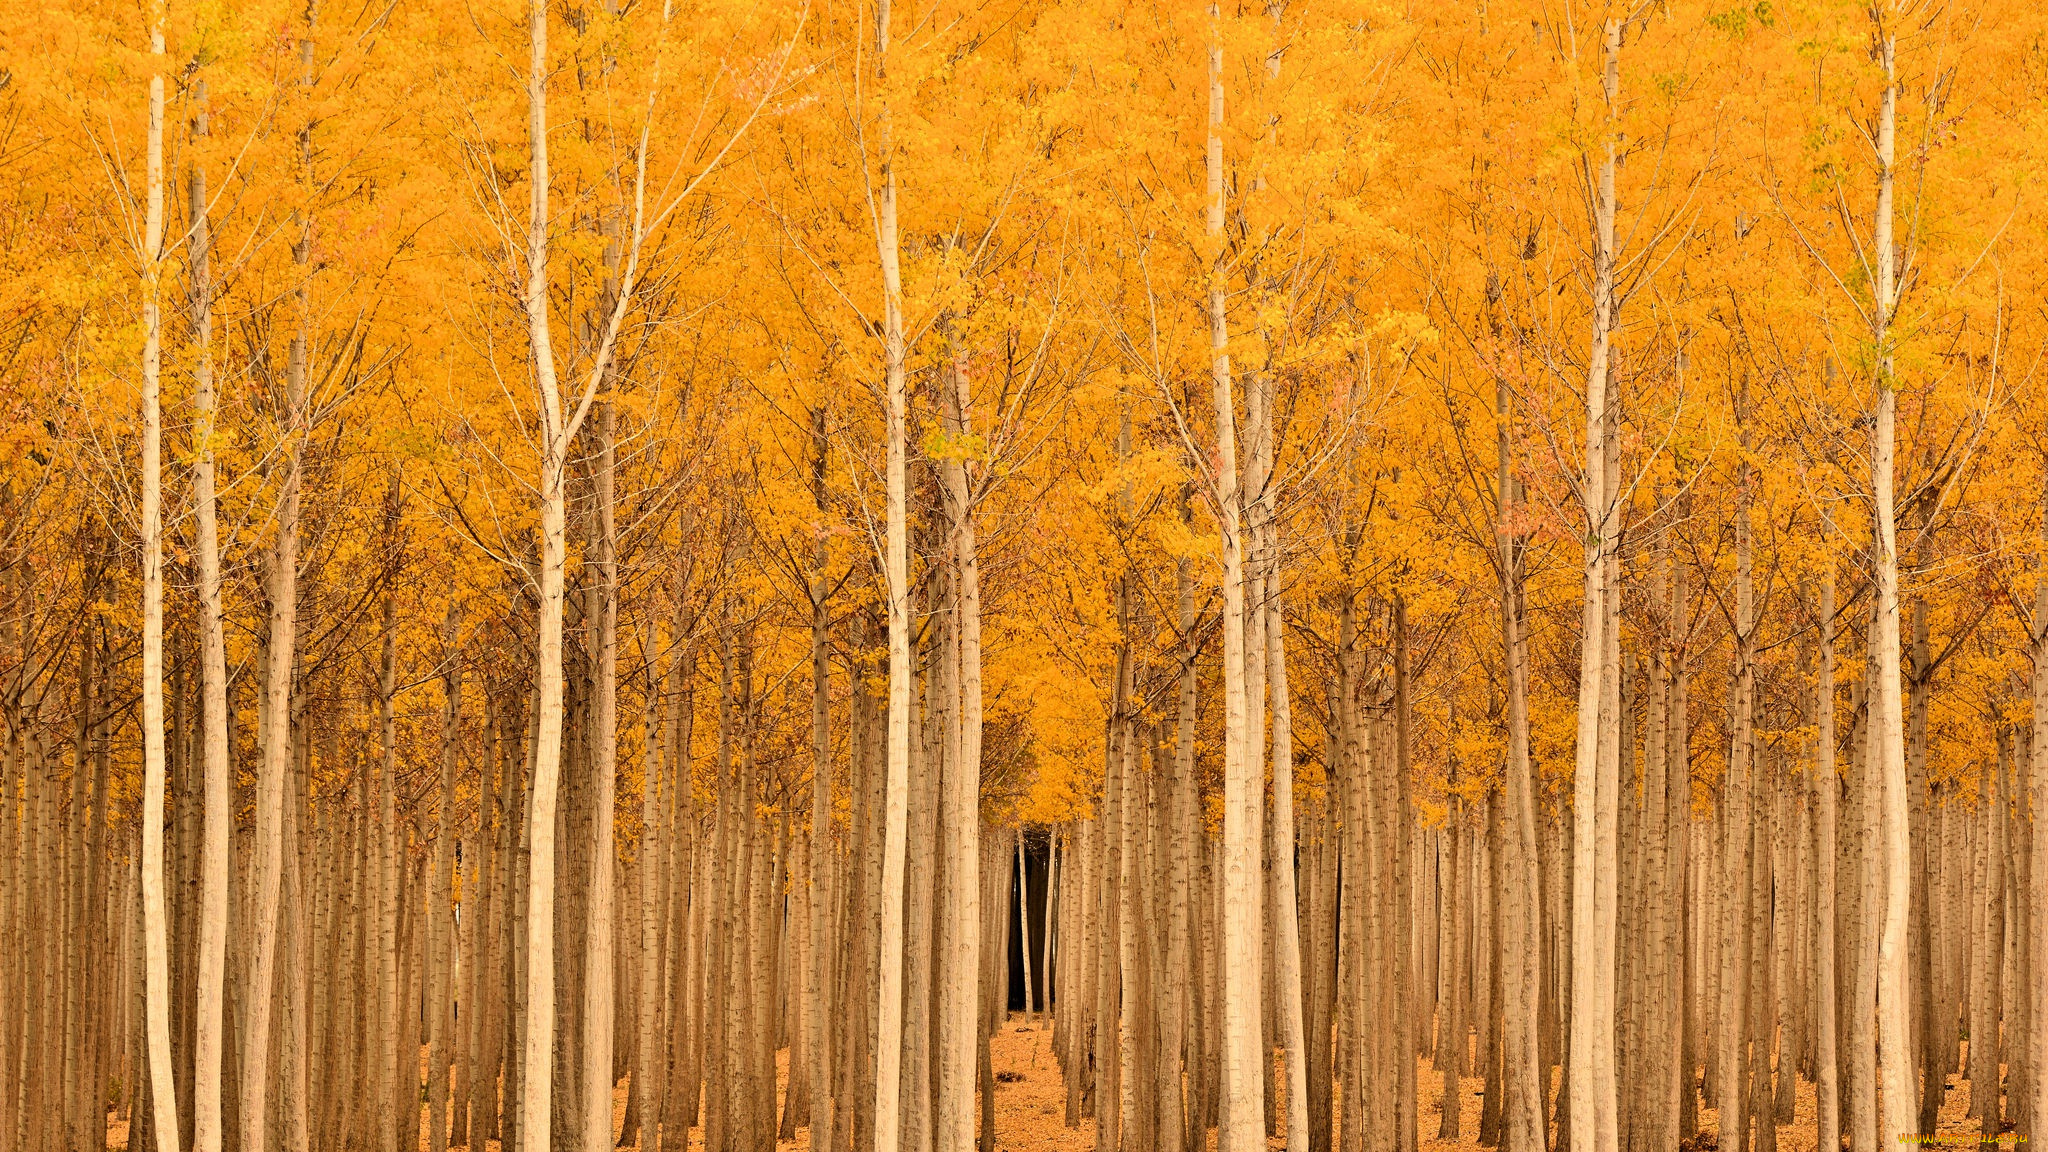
column 1031, row 1106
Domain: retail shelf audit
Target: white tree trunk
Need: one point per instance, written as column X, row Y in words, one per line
column 2036, row 948
column 650, row 1000
column 1593, row 1100
column 1826, row 788
column 1898, row 1094
column 599, row 991
column 537, row 1094
column 155, row 929
column 819, row 1002
column 213, row 691
column 280, row 651
column 1242, row 1123
column 440, row 924
column 385, row 1082
column 889, row 1036
column 959, row 1028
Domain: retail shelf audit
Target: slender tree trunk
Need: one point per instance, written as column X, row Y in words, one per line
column 958, row 1024
column 440, row 928
column 1593, row 1096
column 1520, row 925
column 537, row 1092
column 1826, row 788
column 299, row 908
column 1287, row 942
column 599, row 992
column 1732, row 1083
column 1986, row 1055
column 819, row 1003
column 156, row 931
column 1024, row 923
column 1175, row 1130
column 276, row 725
column 1243, row 1120
column 213, row 911
column 889, row 1037
column 1897, row 1091
column 2034, row 1106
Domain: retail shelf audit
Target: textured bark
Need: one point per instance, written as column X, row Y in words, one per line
column 1852, row 1007
column 1024, row 922
column 280, row 649
column 890, row 1026
column 1736, row 926
column 599, row 990
column 1898, row 1092
column 1985, row 1050
column 650, row 1004
column 921, row 867
column 156, row 931
column 441, row 953
column 213, row 911
column 959, row 1031
column 383, row 1109
column 1452, row 1031
column 1592, row 1084
column 1680, row 872
column 1520, row 899
column 1242, row 1125
column 1176, row 1131
column 2034, row 1104
column 537, row 1059
column 819, row 1002
column 1287, row 939
column 1045, row 939
column 1826, row 789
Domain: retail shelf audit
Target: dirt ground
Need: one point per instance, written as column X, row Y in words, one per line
column 1031, row 1106
column 1030, row 1111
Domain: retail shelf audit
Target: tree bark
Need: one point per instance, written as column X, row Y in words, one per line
column 1826, row 788
column 1897, row 1090
column 537, row 1060
column 1593, row 1096
column 599, row 991
column 889, row 1035
column 1243, row 1115
column 213, row 910
column 2035, row 1110
column 959, row 1019
column 440, row 925
column 819, row 1003
column 156, row 933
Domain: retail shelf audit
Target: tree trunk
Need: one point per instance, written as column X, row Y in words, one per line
column 156, row 931
column 819, row 1003
column 1593, row 1096
column 1243, row 1119
column 1897, row 1090
column 440, row 927
column 2034, row 1107
column 1175, row 1130
column 1287, row 944
column 958, row 1023
column 1520, row 900
column 1736, row 943
column 889, row 1035
column 213, row 911
column 1024, row 923
column 537, row 1060
column 1826, row 788
column 599, row 993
